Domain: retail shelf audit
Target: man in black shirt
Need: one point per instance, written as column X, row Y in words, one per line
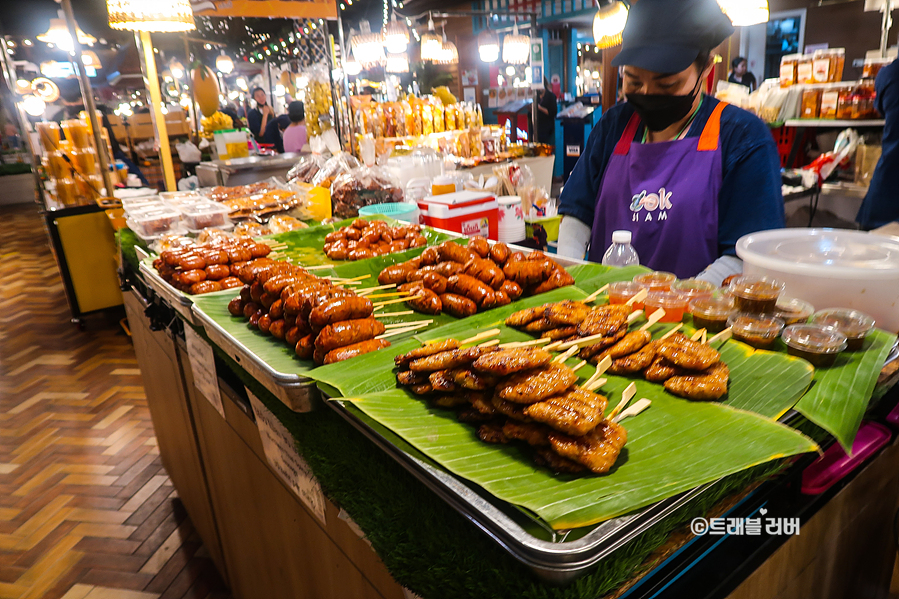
column 546, row 116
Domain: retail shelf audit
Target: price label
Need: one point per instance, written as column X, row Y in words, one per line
column 281, row 453
column 202, row 363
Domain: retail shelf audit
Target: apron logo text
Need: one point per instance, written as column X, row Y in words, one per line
column 651, row 202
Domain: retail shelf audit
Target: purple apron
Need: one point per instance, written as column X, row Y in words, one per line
column 666, row 194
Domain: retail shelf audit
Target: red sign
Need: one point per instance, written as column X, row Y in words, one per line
column 284, row 9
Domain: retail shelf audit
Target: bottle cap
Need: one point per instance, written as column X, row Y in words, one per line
column 621, row 237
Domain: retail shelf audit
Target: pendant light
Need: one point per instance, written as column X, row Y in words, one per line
column 488, row 45
column 161, row 16
column 368, row 47
column 431, row 44
column 223, row 63
column 516, row 48
column 33, row 105
column 90, row 59
column 58, row 34
column 177, row 69
column 397, row 63
column 743, row 13
column 396, row 36
column 608, row 24
column 45, row 89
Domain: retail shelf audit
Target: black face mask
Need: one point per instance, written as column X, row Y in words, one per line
column 660, row 111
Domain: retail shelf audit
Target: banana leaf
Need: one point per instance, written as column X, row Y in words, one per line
column 672, row 447
column 840, row 394
column 590, row 277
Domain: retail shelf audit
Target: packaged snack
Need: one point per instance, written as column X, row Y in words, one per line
column 338, row 164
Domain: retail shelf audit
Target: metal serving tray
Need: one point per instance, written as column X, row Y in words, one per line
column 179, row 302
column 296, row 392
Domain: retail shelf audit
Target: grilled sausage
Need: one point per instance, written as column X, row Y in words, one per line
column 458, row 305
column 471, row 288
column 247, row 273
column 559, row 278
column 189, row 277
column 292, row 335
column 277, row 328
column 254, row 319
column 418, row 241
column 486, row 271
column 239, row 254
column 191, row 261
column 250, row 308
column 215, row 257
column 205, row 287
column 305, row 347
column 277, row 309
column 172, row 257
column 335, row 236
column 260, row 250
column 479, row 246
column 353, row 234
column 430, row 256
column 425, row 301
column 235, row 306
column 524, row 272
column 453, row 252
column 435, row 282
column 500, row 252
column 230, row 283
column 338, row 309
column 245, row 294
column 348, row 332
column 394, row 274
column 357, row 349
column 217, row 272
column 407, row 287
column 268, row 299
column 502, row 299
column 360, row 254
column 512, row 289
column 264, row 324
column 360, row 223
column 448, row 269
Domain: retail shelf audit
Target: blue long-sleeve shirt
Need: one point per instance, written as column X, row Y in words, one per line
column 881, row 204
column 750, row 198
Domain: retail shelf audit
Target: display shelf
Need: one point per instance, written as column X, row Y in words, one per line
column 833, row 123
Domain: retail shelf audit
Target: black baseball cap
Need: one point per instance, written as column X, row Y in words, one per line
column 666, row 36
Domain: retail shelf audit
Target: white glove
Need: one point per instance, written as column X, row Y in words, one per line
column 574, row 236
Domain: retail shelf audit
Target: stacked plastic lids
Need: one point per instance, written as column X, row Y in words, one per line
column 511, row 227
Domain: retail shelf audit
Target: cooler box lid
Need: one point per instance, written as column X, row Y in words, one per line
column 458, row 198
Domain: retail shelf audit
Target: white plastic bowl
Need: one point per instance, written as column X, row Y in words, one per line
column 831, row 268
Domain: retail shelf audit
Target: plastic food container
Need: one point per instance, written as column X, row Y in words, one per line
column 150, row 223
column 711, row 313
column 206, row 214
column 818, row 344
column 673, row 303
column 622, row 291
column 853, row 324
column 792, row 310
column 830, row 267
column 656, row 281
column 755, row 294
column 757, row 330
column 691, row 289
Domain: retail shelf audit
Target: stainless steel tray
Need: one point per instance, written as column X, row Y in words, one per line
column 174, row 298
column 296, row 392
column 556, row 561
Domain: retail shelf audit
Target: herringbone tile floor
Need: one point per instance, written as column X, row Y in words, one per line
column 86, row 509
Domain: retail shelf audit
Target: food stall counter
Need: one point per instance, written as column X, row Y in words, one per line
column 241, row 171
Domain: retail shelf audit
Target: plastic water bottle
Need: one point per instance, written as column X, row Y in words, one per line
column 621, row 252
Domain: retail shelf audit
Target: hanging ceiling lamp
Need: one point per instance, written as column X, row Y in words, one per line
column 45, row 89
column 368, row 47
column 516, row 48
column 177, row 69
column 34, row 105
column 488, row 45
column 397, row 63
column 223, row 63
column 90, row 59
column 431, row 44
column 396, row 36
column 58, row 34
column 745, row 12
column 151, row 15
column 449, row 54
column 608, row 24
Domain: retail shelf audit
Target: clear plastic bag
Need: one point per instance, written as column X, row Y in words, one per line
column 364, row 186
column 306, row 168
column 340, row 163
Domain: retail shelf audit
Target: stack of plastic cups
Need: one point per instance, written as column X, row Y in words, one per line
column 511, row 227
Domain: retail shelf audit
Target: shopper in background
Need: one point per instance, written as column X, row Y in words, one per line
column 686, row 174
column 546, row 115
column 881, row 204
column 274, row 130
column 258, row 118
column 295, row 134
column 740, row 74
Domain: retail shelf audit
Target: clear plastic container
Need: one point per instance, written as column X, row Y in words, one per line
column 711, row 313
column 792, row 310
column 818, row 344
column 755, row 295
column 853, row 324
column 673, row 303
column 49, row 135
column 691, row 289
column 656, row 281
column 206, row 214
column 66, row 193
column 132, row 205
column 621, row 291
column 150, row 223
column 757, row 330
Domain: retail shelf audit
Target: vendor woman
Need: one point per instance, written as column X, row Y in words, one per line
column 686, row 174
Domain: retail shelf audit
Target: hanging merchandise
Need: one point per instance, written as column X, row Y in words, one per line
column 319, row 105
column 206, row 89
column 516, row 47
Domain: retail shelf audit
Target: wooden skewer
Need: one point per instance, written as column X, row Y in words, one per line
column 319, row 267
column 634, row 316
column 342, row 283
column 626, row 396
column 722, row 336
column 579, row 365
column 653, row 318
column 560, row 359
column 512, row 344
column 635, row 409
column 389, row 314
column 396, row 301
column 360, row 278
column 671, row 332
column 601, row 368
column 697, row 335
column 407, row 329
column 481, row 336
column 596, row 384
column 554, row 345
column 638, row 297
column 578, row 342
column 406, row 324
column 596, row 294
column 490, row 343
column 396, row 294
column 368, row 290
column 705, row 337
